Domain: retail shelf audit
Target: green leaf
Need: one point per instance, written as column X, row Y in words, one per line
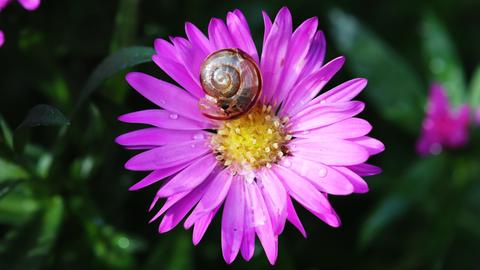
column 411, row 188
column 125, row 24
column 7, row 186
column 6, row 135
column 40, row 115
column 393, row 87
column 121, row 60
column 475, row 89
column 387, row 211
column 28, row 246
column 43, row 115
column 17, row 207
column 11, row 171
column 441, row 57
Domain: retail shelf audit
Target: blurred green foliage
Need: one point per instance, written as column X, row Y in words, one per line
column 64, row 202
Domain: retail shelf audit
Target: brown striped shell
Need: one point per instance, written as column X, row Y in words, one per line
column 232, row 83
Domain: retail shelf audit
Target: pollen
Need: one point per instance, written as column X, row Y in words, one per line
column 254, row 140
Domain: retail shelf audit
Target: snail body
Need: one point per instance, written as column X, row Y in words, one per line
column 232, row 83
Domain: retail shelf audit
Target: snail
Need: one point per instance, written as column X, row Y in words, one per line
column 232, row 83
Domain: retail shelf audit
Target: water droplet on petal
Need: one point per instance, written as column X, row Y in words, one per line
column 322, row 172
column 305, row 132
column 198, row 136
column 173, row 116
column 323, row 101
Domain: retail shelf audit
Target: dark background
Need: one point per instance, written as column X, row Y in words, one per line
column 64, row 199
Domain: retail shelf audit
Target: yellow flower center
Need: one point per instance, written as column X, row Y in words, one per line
column 253, row 140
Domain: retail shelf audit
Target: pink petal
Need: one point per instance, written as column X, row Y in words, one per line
column 197, row 38
column 275, row 197
column 373, row 146
column 342, row 93
column 346, row 129
column 241, row 34
column 438, row 100
column 164, row 119
column 365, row 169
column 219, row 35
column 213, row 197
column 329, row 151
column 267, row 26
column 158, row 136
column 167, row 156
column 310, row 86
column 295, row 57
column 315, row 56
column 322, row 177
column 320, row 115
column 166, row 50
column 179, row 74
column 175, row 198
column 191, row 56
column 178, row 211
column 248, row 242
column 171, row 201
column 156, row 176
column 2, row 38
column 274, row 52
column 190, row 177
column 359, row 185
column 233, row 220
column 3, row 4
column 307, row 195
column 257, row 210
column 201, row 226
column 293, row 217
column 30, row 4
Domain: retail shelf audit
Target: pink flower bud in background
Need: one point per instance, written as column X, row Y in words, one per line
column 443, row 126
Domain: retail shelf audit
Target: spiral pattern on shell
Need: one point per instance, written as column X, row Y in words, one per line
column 232, row 83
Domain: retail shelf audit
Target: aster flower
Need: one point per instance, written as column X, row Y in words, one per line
column 27, row 4
column 292, row 145
column 443, row 126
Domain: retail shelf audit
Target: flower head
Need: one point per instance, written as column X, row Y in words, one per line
column 443, row 125
column 292, row 145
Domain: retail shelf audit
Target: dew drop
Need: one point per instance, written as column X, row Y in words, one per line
column 198, row 136
column 322, row 172
column 173, row 116
column 305, row 132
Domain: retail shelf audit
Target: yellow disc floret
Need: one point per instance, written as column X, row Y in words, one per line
column 255, row 139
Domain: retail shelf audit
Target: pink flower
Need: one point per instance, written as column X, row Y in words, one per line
column 443, row 126
column 27, row 4
column 291, row 146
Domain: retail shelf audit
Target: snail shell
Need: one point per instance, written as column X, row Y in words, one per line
column 232, row 83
